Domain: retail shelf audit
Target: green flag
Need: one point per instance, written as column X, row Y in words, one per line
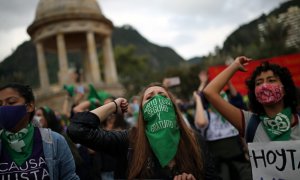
column 93, row 93
column 69, row 89
column 103, row 96
column 99, row 95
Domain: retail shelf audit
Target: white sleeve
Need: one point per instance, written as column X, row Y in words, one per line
column 246, row 118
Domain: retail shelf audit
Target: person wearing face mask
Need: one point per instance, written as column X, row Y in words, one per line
column 272, row 101
column 161, row 146
column 29, row 152
column 46, row 118
column 133, row 110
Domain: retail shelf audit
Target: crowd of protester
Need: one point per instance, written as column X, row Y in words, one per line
column 151, row 136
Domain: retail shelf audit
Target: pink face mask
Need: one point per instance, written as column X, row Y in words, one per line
column 269, row 93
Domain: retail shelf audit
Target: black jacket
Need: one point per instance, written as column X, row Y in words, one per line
column 84, row 129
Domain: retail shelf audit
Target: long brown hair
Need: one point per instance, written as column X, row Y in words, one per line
column 188, row 157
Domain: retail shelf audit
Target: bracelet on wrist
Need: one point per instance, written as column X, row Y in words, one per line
column 116, row 107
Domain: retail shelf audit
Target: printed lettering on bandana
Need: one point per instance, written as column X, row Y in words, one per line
column 161, row 128
column 155, row 107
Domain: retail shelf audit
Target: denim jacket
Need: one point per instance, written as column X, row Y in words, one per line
column 58, row 156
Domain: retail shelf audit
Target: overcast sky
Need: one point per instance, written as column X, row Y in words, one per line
column 190, row 27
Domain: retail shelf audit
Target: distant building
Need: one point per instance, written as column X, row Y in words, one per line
column 290, row 18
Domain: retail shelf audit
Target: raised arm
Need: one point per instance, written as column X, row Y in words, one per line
column 81, row 107
column 119, row 105
column 212, row 90
column 84, row 129
column 200, row 119
column 203, row 78
column 66, row 106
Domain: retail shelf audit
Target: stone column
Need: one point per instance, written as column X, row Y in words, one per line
column 110, row 71
column 62, row 59
column 93, row 58
column 43, row 72
column 87, row 68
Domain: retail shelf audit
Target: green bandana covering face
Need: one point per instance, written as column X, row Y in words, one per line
column 278, row 128
column 161, row 128
column 19, row 145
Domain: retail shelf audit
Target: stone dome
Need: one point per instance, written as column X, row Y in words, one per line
column 54, row 11
column 53, row 8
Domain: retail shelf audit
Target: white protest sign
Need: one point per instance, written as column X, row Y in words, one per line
column 276, row 160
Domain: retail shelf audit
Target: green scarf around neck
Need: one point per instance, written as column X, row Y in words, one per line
column 278, row 128
column 19, row 145
column 161, row 128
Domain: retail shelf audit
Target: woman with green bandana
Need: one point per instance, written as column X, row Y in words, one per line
column 272, row 98
column 28, row 152
column 160, row 147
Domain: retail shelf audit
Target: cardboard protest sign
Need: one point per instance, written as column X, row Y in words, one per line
column 172, row 81
column 276, row 160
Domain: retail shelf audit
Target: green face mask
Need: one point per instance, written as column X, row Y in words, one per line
column 161, row 128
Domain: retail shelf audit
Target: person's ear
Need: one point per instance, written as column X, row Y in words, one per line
column 30, row 107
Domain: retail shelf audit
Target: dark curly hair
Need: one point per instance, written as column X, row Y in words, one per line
column 286, row 79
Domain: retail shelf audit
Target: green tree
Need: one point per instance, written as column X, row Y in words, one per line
column 132, row 69
column 188, row 75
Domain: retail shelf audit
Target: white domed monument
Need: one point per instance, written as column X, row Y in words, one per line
column 63, row 26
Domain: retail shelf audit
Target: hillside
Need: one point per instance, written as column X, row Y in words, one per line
column 160, row 57
column 21, row 65
column 247, row 38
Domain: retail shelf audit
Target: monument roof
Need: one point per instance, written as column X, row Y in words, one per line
column 53, row 11
column 49, row 8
